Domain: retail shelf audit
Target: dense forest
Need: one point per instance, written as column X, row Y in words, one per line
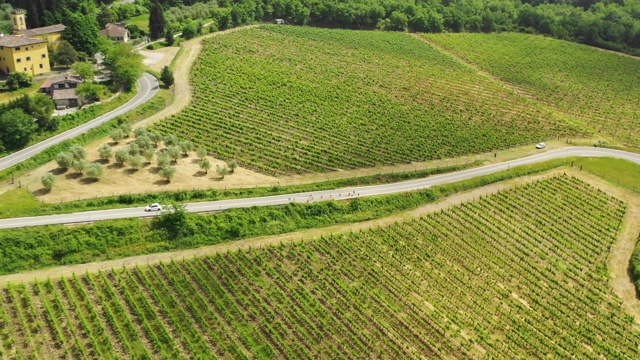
column 611, row 24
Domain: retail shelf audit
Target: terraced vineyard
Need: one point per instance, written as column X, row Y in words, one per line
column 519, row 274
column 601, row 88
column 297, row 100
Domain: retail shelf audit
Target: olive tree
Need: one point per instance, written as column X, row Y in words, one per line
column 222, row 171
column 168, row 172
column 117, row 135
column 232, row 164
column 64, row 160
column 148, row 154
column 163, row 159
column 205, row 165
column 122, row 155
column 136, row 161
column 48, row 180
column 105, row 152
column 186, row 146
column 95, row 171
column 79, row 165
column 174, row 152
column 78, row 152
column 201, row 152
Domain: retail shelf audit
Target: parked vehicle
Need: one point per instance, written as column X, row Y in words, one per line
column 541, row 146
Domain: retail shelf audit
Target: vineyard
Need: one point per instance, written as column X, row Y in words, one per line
column 519, row 274
column 601, row 88
column 286, row 100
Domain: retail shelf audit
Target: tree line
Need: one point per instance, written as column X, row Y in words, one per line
column 610, row 24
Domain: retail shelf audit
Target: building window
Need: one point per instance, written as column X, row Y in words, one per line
column 41, row 66
column 18, row 48
column 19, row 60
column 44, row 56
column 24, row 69
column 28, row 58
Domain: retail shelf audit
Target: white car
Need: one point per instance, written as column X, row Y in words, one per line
column 153, row 207
column 541, row 146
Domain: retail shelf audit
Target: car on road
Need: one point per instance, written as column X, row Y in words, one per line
column 541, row 146
column 153, row 207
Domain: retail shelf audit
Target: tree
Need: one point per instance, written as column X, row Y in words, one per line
column 205, row 165
column 134, row 149
column 171, row 140
column 169, row 36
column 106, row 15
column 95, row 171
column 155, row 138
column 90, row 92
column 42, row 108
column 105, row 152
column 157, row 22
column 201, row 152
column 167, row 172
column 65, row 54
column 48, row 180
column 186, row 146
column 144, row 142
column 16, row 128
column 166, row 76
column 232, row 164
column 122, row 155
column 79, row 165
column 174, row 221
column 125, row 65
column 117, row 135
column 82, row 32
column 64, row 160
column 222, row 171
column 126, row 129
column 84, row 70
column 148, row 154
column 190, row 29
column 136, row 161
column 140, row 131
column 163, row 159
column 17, row 80
column 174, row 152
column 78, row 152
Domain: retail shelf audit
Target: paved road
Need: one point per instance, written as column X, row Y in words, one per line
column 148, row 87
column 346, row 193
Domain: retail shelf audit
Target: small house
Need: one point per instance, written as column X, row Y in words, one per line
column 115, row 32
column 62, row 89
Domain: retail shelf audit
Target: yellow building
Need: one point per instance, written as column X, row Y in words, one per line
column 23, row 54
column 26, row 50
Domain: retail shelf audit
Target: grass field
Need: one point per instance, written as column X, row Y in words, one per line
column 489, row 279
column 141, row 21
column 601, row 88
column 297, row 100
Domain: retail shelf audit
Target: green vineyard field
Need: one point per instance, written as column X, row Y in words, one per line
column 518, row 274
column 286, row 100
column 599, row 87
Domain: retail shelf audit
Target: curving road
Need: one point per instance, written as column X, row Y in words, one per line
column 148, row 87
column 346, row 193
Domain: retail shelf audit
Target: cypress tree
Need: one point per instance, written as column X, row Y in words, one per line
column 157, row 22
